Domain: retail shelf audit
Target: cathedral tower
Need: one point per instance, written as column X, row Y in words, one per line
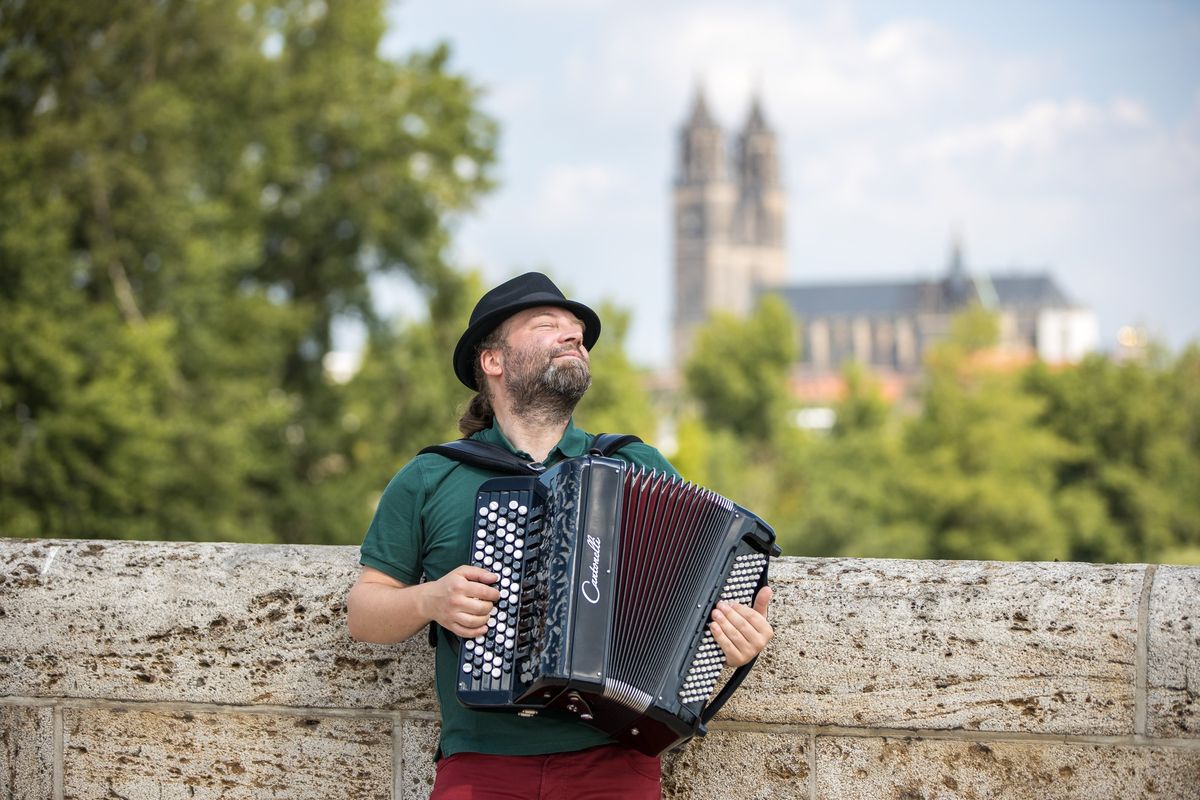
column 728, row 215
column 760, row 210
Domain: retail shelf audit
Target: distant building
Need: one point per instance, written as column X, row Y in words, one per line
column 729, row 250
column 729, row 213
column 888, row 326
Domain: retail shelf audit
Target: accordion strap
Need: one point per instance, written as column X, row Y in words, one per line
column 605, row 444
column 494, row 457
column 488, row 456
column 735, row 680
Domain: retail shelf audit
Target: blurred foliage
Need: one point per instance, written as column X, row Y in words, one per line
column 740, row 441
column 1094, row 462
column 738, row 372
column 1133, row 473
column 192, row 194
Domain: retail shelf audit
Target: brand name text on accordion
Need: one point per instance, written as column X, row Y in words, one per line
column 590, row 589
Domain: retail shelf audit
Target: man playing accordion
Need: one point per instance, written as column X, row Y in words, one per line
column 526, row 354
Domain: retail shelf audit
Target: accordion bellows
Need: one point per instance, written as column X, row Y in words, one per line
column 608, row 577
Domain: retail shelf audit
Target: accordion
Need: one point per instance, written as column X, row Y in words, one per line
column 608, row 577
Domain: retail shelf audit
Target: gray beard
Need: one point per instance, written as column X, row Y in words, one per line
column 541, row 389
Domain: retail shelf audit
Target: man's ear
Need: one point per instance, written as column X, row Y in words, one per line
column 492, row 361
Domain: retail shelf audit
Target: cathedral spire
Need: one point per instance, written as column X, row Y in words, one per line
column 756, row 122
column 957, row 267
column 757, row 151
column 959, row 287
column 700, row 116
column 702, row 146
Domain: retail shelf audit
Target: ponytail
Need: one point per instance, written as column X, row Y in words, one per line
column 477, row 417
column 479, row 414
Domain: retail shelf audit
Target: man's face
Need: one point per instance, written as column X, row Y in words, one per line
column 544, row 360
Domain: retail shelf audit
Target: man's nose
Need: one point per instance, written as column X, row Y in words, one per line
column 573, row 335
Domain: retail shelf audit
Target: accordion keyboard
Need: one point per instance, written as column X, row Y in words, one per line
column 505, row 529
column 709, row 660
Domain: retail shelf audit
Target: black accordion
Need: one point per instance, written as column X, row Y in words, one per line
column 608, row 577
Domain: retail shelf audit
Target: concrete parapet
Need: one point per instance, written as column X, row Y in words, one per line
column 149, row 669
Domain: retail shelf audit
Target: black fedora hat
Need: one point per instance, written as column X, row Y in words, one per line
column 524, row 291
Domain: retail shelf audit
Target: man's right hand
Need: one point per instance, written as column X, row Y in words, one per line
column 461, row 600
column 382, row 610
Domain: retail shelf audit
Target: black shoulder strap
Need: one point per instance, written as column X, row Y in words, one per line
column 488, row 456
column 606, row 444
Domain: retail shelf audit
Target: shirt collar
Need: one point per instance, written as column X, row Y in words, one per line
column 574, row 442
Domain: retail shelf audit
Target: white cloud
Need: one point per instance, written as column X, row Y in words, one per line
column 569, row 195
column 1039, row 127
column 892, row 131
column 1130, row 111
column 823, row 72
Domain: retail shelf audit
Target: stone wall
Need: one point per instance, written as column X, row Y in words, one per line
column 163, row 670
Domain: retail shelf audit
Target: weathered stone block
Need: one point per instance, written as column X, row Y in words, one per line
column 418, row 742
column 868, row 769
column 26, row 753
column 743, row 765
column 1173, row 654
column 142, row 755
column 217, row 623
column 1046, row 648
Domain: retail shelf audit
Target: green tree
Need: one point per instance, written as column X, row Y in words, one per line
column 738, row 371
column 847, row 494
column 982, row 468
column 192, row 194
column 862, row 409
column 734, row 431
column 1094, row 462
column 1135, row 466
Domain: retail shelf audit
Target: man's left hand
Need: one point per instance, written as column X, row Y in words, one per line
column 742, row 631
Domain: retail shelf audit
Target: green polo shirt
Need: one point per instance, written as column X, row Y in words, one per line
column 423, row 527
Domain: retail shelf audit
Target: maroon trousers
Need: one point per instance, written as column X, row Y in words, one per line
column 599, row 773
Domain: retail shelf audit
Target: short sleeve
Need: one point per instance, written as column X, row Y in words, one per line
column 395, row 539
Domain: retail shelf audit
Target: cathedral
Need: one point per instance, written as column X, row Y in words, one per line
column 728, row 219
column 729, row 210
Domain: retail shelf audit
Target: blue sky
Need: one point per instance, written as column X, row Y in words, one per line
column 1059, row 136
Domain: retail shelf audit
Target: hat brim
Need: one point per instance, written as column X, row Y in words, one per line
column 464, row 352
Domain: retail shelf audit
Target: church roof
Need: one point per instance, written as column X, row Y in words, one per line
column 1014, row 291
column 1029, row 291
column 833, row 299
